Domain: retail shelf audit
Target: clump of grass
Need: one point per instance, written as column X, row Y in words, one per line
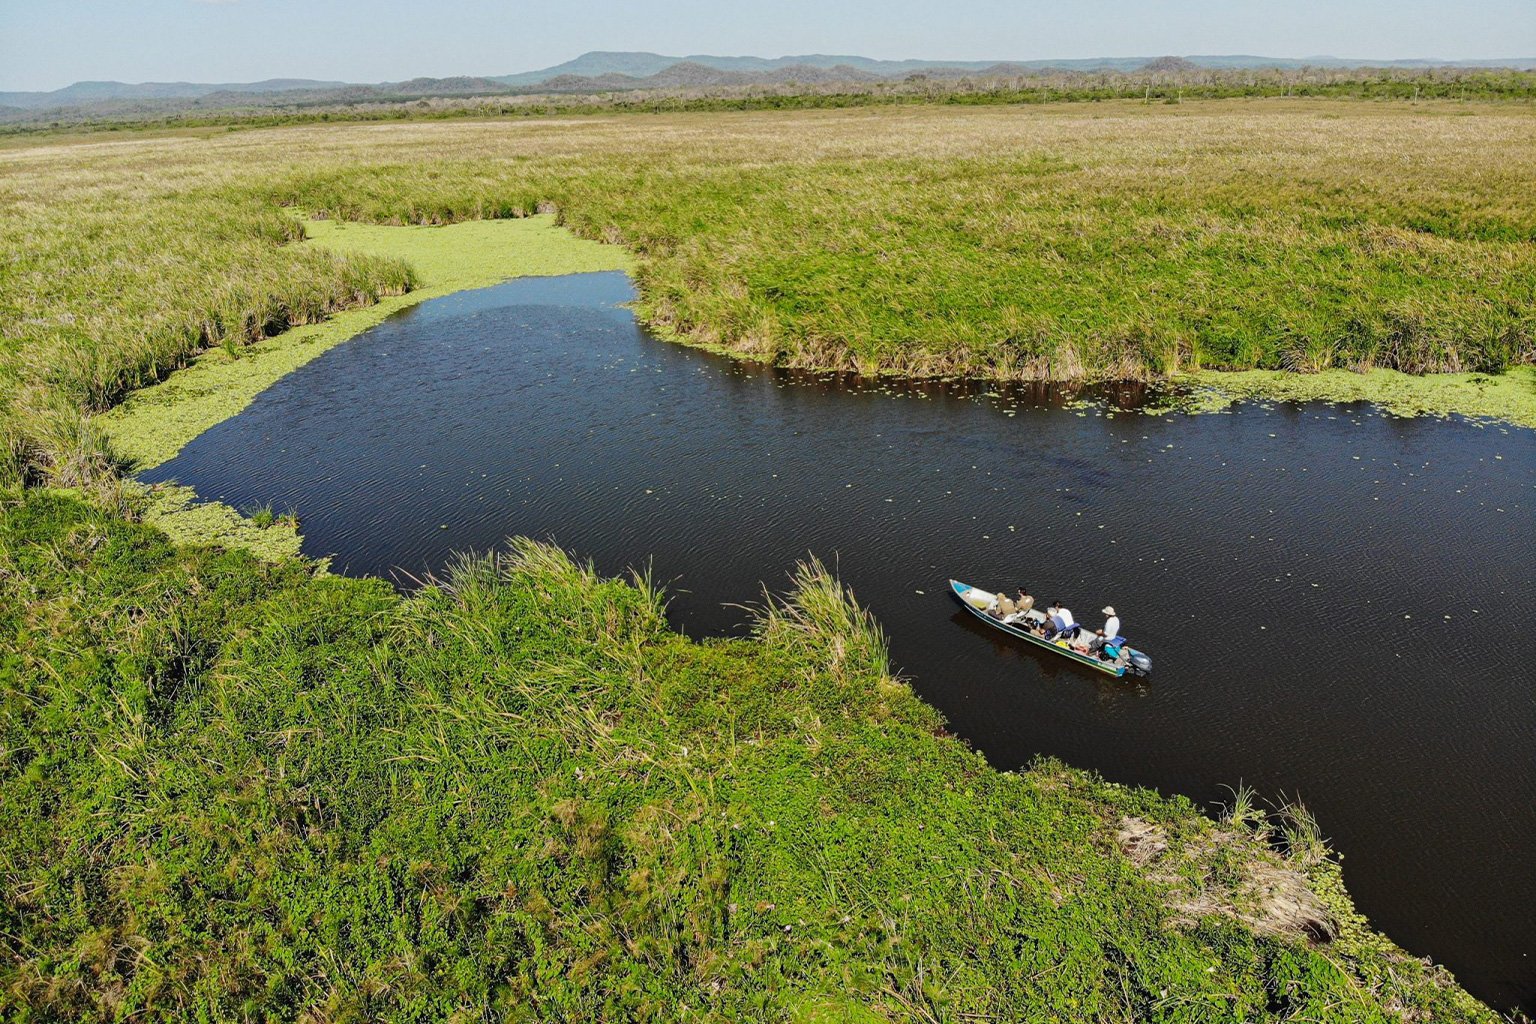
column 821, row 618
column 261, row 516
column 265, row 516
column 1243, row 812
column 1304, row 840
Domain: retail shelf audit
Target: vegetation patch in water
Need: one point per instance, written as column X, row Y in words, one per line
column 237, row 790
column 1508, row 397
column 266, row 533
column 476, row 253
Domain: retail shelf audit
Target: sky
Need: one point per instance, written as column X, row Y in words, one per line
column 46, row 44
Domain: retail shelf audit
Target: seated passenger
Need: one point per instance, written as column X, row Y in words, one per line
column 1061, row 622
column 1021, row 607
column 1003, row 607
column 1111, row 630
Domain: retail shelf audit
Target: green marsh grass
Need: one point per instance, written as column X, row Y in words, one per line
column 238, row 790
column 1113, row 239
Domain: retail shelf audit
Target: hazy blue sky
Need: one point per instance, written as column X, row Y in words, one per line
column 45, row 44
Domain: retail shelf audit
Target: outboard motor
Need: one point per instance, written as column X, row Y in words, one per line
column 1141, row 663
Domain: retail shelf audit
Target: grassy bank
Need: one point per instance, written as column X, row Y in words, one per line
column 238, row 791
column 1116, row 239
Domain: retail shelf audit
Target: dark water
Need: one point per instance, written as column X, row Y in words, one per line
column 1338, row 604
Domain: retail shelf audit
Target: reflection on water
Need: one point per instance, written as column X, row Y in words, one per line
column 1335, row 601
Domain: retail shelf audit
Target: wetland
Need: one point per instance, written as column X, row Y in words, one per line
column 462, row 775
column 1323, row 588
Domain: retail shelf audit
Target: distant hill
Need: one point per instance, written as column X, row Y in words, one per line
column 604, row 71
column 1174, row 65
column 595, row 64
column 600, row 63
column 90, row 92
column 611, row 71
column 689, row 74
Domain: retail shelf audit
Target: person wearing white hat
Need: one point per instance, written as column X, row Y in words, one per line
column 1111, row 624
column 1103, row 643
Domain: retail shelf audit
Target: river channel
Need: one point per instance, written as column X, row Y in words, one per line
column 1338, row 603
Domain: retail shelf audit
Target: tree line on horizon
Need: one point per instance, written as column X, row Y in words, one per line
column 1163, row 80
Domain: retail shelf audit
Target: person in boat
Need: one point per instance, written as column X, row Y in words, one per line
column 1108, row 639
column 1021, row 607
column 1060, row 622
column 1002, row 606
